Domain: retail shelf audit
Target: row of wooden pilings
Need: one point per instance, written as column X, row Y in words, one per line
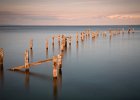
column 68, row 39
column 63, row 41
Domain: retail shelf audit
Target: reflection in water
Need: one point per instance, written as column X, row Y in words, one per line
column 1, row 75
column 28, row 74
column 57, row 85
column 57, row 81
column 27, row 79
column 69, row 49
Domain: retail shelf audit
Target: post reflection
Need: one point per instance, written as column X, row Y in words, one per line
column 57, row 85
column 27, row 74
column 27, row 79
column 57, row 80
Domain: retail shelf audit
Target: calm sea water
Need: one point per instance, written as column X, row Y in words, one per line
column 99, row 69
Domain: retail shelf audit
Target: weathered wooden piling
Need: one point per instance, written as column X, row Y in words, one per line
column 47, row 44
column 129, row 30
column 31, row 44
column 70, row 40
column 62, row 47
column 82, row 36
column 54, row 66
column 65, row 42
column 53, row 40
column 1, row 58
column 58, row 38
column 26, row 59
column 59, row 57
column 77, row 37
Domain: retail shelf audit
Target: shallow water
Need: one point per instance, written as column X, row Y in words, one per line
column 100, row 69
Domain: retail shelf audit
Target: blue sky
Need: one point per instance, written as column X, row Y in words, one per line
column 69, row 12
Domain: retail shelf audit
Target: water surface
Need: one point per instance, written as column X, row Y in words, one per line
column 99, row 69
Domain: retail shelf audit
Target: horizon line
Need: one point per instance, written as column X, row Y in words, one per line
column 76, row 25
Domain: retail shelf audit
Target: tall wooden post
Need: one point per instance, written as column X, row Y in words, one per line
column 31, row 44
column 59, row 57
column 26, row 59
column 1, row 58
column 54, row 66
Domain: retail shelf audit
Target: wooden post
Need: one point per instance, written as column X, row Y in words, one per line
column 70, row 40
column 31, row 44
column 58, row 38
column 59, row 57
column 65, row 42
column 53, row 40
column 26, row 59
column 1, row 58
column 47, row 44
column 54, row 67
column 62, row 47
column 77, row 37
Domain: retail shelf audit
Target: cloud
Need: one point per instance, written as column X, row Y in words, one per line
column 124, row 17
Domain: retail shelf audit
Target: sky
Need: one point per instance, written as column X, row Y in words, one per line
column 69, row 12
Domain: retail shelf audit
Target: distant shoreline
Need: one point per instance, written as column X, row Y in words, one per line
column 59, row 25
